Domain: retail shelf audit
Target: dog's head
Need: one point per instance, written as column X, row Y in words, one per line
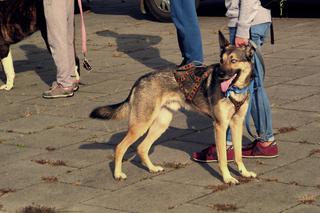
column 235, row 64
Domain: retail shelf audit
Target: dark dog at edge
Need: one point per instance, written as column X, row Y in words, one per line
column 18, row 20
column 155, row 96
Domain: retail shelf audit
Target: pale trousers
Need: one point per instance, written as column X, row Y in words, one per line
column 60, row 27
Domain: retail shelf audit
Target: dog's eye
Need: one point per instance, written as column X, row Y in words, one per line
column 221, row 61
column 233, row 61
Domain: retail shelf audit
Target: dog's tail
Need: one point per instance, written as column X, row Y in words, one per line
column 111, row 112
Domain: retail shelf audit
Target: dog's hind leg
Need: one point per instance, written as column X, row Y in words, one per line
column 134, row 133
column 7, row 64
column 159, row 126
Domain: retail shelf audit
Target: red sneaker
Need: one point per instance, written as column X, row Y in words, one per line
column 256, row 150
column 209, row 154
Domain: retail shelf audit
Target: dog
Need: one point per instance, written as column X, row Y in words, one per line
column 18, row 20
column 155, row 96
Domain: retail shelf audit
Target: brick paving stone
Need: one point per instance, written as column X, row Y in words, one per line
column 15, row 111
column 313, row 61
column 304, row 208
column 32, row 124
column 310, row 104
column 88, row 156
column 173, row 152
column 290, row 72
column 197, row 174
column 286, row 116
column 292, row 173
column 53, row 195
column 25, row 173
column 192, row 208
column 163, row 196
column 305, row 134
column 6, row 136
column 259, row 196
column 56, row 138
column 9, row 154
column 89, row 209
column 284, row 93
column 100, row 176
column 311, row 80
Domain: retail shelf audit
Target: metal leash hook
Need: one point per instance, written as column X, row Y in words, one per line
column 86, row 64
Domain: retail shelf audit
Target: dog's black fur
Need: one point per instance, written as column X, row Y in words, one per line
column 19, row 19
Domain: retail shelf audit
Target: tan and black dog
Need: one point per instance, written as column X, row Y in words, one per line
column 155, row 96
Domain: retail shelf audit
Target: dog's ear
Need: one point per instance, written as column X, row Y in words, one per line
column 223, row 42
column 250, row 50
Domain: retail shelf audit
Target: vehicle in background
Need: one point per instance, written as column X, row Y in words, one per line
column 159, row 9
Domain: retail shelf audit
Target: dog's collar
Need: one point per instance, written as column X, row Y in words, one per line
column 236, row 90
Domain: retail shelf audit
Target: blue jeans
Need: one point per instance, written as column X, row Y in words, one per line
column 184, row 17
column 259, row 106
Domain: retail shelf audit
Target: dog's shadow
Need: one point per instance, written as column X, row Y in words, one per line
column 195, row 123
column 139, row 47
column 37, row 60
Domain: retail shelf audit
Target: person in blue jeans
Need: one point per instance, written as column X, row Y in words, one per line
column 249, row 20
column 184, row 17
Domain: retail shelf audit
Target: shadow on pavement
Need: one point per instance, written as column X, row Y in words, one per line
column 135, row 160
column 38, row 61
column 139, row 47
column 194, row 122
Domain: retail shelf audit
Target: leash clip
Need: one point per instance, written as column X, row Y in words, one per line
column 86, row 64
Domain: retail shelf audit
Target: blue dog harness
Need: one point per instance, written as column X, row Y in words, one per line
column 236, row 90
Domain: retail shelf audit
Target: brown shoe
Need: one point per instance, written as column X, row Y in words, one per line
column 58, row 91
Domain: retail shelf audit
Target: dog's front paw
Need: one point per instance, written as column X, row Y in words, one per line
column 120, row 176
column 230, row 180
column 6, row 87
column 156, row 169
column 248, row 174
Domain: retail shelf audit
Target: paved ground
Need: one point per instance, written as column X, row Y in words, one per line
column 53, row 155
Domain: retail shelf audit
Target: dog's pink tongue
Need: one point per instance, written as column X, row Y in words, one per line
column 225, row 84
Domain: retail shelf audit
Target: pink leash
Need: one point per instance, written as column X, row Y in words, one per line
column 86, row 63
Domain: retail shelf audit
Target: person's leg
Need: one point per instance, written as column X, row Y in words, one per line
column 184, row 16
column 260, row 106
column 57, row 17
column 232, row 34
